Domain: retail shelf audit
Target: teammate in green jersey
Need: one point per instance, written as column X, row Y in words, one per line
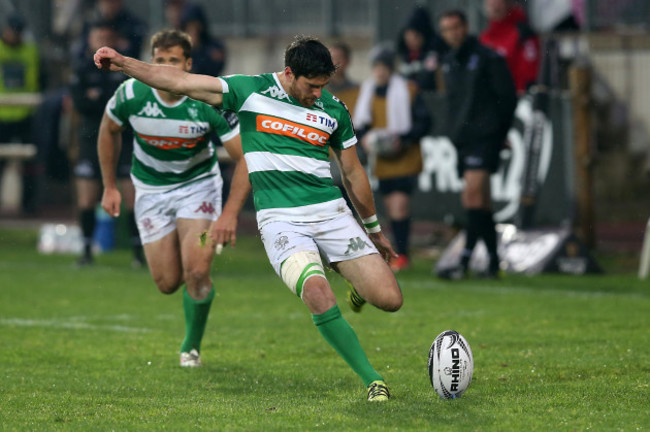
column 177, row 180
column 289, row 122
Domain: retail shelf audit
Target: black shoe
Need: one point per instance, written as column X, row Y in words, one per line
column 453, row 273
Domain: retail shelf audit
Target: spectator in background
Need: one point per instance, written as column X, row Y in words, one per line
column 174, row 10
column 341, row 86
column 19, row 73
column 130, row 29
column 481, row 101
column 420, row 50
column 391, row 118
column 208, row 53
column 509, row 34
column 19, row 67
column 91, row 89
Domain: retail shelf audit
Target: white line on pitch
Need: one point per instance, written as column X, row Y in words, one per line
column 19, row 322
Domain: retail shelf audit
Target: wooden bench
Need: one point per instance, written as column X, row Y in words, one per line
column 11, row 183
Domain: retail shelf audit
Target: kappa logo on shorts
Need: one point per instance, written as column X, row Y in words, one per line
column 147, row 224
column 355, row 245
column 205, row 207
column 281, row 242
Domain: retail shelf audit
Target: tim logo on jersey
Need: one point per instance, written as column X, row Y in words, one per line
column 278, row 126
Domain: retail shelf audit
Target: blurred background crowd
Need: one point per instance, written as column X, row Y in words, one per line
column 587, row 55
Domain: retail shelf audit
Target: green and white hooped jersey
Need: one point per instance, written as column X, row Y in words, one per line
column 286, row 146
column 172, row 144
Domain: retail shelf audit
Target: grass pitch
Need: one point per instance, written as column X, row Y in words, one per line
column 97, row 349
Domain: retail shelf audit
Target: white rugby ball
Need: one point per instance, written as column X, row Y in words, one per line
column 451, row 364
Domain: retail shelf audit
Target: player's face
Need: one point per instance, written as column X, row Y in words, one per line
column 453, row 31
column 172, row 57
column 496, row 9
column 306, row 90
column 381, row 74
column 413, row 39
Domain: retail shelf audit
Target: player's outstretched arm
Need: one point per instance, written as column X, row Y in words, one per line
column 109, row 144
column 168, row 78
column 355, row 181
column 224, row 229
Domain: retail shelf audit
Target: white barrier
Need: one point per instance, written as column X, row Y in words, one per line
column 644, row 265
column 11, row 183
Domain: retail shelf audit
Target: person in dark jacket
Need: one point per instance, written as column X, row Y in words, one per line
column 420, row 49
column 481, row 100
column 91, row 89
column 130, row 29
column 208, row 53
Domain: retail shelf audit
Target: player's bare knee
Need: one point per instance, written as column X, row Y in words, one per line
column 318, row 295
column 196, row 275
column 166, row 285
column 393, row 302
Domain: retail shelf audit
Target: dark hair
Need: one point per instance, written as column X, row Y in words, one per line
column 457, row 13
column 308, row 57
column 16, row 22
column 165, row 39
column 384, row 56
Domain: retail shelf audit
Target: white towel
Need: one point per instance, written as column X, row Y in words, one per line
column 398, row 105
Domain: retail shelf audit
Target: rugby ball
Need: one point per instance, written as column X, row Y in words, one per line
column 451, row 364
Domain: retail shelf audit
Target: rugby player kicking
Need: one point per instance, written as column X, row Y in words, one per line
column 288, row 123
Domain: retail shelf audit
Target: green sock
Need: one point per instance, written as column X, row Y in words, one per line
column 196, row 317
column 340, row 335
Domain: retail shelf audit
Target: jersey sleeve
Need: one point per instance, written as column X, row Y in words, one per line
column 224, row 123
column 234, row 91
column 344, row 135
column 117, row 106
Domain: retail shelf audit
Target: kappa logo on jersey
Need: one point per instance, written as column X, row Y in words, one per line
column 355, row 245
column 284, row 127
column 276, row 93
column 205, row 207
column 151, row 109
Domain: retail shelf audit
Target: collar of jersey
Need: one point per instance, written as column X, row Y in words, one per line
column 165, row 104
column 291, row 98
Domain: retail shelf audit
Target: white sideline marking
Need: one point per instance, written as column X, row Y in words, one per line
column 73, row 324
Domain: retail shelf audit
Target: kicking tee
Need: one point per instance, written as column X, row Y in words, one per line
column 171, row 142
column 286, row 147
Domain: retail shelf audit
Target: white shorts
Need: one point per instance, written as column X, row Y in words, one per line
column 338, row 239
column 156, row 213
